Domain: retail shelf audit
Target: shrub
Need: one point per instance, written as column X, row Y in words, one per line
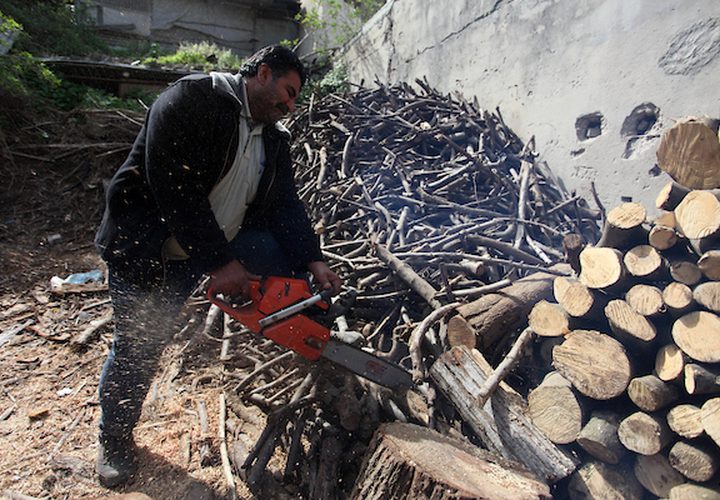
column 203, row 56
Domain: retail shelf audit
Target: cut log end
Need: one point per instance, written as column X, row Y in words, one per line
column 628, row 324
column 627, row 215
column 678, row 297
column 644, row 434
column 690, row 154
column 698, row 215
column 577, row 359
column 642, row 261
column 549, row 320
column 685, row 421
column 698, row 335
column 554, row 408
column 646, row 300
column 601, row 267
column 669, row 362
column 573, row 296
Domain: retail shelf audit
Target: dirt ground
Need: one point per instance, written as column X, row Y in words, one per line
column 50, row 205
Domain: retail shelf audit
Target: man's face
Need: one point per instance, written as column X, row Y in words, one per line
column 274, row 97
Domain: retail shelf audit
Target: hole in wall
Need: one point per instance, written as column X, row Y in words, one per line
column 639, row 128
column 589, row 126
column 640, row 120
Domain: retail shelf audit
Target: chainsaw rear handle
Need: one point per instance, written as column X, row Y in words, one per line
column 274, row 310
column 248, row 314
column 270, row 295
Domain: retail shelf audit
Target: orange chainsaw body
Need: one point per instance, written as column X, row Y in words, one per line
column 296, row 332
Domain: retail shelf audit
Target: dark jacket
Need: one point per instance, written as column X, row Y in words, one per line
column 188, row 142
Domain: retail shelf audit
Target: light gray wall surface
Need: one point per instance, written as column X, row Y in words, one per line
column 556, row 66
column 241, row 26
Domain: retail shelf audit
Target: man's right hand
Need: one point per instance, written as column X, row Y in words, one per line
column 232, row 280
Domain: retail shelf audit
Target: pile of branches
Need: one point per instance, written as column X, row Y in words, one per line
column 423, row 201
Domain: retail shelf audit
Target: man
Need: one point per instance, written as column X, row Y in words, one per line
column 207, row 189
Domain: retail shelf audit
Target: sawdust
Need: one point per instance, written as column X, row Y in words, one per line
column 50, row 207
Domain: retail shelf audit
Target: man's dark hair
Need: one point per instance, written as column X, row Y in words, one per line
column 280, row 60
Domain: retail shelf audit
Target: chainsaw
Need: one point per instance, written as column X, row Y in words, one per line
column 275, row 311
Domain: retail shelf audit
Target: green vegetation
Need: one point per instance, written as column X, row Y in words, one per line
column 332, row 23
column 336, row 22
column 51, row 27
column 203, row 56
column 335, row 80
column 54, row 27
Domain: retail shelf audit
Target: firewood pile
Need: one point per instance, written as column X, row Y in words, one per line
column 634, row 339
column 425, row 205
column 424, row 200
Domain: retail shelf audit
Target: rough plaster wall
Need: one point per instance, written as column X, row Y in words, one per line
column 559, row 69
column 141, row 20
column 235, row 26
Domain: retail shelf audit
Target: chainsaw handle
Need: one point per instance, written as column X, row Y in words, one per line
column 248, row 314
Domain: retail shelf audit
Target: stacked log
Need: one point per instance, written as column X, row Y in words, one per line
column 647, row 360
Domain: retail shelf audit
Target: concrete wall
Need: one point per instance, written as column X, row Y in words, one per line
column 595, row 81
column 243, row 27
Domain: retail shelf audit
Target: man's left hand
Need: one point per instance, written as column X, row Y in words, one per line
column 325, row 277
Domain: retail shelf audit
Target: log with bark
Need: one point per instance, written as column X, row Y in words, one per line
column 408, row 461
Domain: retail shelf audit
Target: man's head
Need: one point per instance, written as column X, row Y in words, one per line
column 274, row 77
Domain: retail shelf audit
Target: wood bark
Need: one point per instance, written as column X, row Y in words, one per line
column 624, row 226
column 650, row 393
column 670, row 196
column 656, row 474
column 644, row 434
column 493, row 315
column 577, row 360
column 548, row 319
column 460, row 374
column 685, row 420
column 601, row 480
column 600, row 439
column 602, row 268
column 406, row 461
column 573, row 245
column 709, row 264
column 698, row 335
column 555, row 409
column 690, row 154
column 694, row 460
column 702, row 379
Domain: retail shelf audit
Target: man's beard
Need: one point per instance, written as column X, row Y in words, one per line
column 269, row 110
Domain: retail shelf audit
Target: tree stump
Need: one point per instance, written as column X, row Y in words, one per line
column 409, row 461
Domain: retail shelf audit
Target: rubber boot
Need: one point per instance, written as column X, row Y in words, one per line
column 116, row 460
